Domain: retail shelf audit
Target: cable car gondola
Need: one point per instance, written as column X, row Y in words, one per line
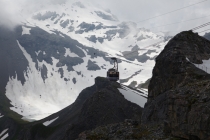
column 113, row 74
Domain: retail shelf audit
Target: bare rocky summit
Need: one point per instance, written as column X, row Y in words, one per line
column 179, row 92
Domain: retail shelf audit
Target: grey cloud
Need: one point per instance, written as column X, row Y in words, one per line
column 138, row 10
column 12, row 12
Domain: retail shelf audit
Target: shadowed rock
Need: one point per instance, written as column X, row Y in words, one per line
column 178, row 91
column 92, row 66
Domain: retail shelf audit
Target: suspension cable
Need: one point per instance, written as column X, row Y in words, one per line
column 201, row 26
column 173, row 11
column 179, row 22
column 204, row 31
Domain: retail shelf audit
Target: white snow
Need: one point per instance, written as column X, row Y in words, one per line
column 49, row 122
column 1, row 115
column 37, row 99
column 133, row 96
column 62, row 35
column 69, row 53
column 205, row 66
column 3, row 132
column 4, row 137
column 144, row 90
column 37, row 53
column 26, row 30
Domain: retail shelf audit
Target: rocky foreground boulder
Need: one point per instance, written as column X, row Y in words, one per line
column 179, row 91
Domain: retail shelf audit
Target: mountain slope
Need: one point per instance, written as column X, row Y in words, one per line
column 60, row 49
column 97, row 105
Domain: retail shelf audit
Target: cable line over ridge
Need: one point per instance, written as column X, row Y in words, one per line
column 172, row 11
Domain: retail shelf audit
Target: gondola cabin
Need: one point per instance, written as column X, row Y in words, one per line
column 113, row 74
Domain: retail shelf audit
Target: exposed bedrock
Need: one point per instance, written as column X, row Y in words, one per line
column 179, row 92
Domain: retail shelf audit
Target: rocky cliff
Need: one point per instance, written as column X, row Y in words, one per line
column 179, row 91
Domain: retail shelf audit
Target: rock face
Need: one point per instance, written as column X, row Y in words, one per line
column 179, row 92
column 100, row 104
column 127, row 130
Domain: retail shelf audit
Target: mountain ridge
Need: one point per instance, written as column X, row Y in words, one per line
column 100, row 104
column 181, row 103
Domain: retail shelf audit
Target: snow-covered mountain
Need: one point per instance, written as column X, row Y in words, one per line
column 62, row 48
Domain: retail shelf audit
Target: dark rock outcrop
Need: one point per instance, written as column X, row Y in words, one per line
column 127, row 130
column 92, row 66
column 179, row 92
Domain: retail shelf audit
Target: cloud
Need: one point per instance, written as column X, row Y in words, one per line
column 138, row 10
column 7, row 13
column 13, row 12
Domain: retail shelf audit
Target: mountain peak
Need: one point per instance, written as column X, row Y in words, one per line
column 181, row 56
column 179, row 89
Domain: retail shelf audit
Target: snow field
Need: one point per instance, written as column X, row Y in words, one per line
column 205, row 66
column 49, row 122
column 3, row 136
column 133, row 96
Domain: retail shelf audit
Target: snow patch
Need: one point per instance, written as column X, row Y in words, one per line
column 5, row 136
column 49, row 122
column 62, row 35
column 69, row 53
column 26, row 30
column 133, row 96
column 205, row 66
column 3, row 132
column 1, row 115
column 37, row 53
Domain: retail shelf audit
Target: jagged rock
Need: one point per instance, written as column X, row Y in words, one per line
column 127, row 130
column 178, row 91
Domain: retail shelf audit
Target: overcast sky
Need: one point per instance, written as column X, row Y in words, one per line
column 138, row 10
column 128, row 10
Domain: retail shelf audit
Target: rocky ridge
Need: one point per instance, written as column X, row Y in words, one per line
column 179, row 91
column 127, row 130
